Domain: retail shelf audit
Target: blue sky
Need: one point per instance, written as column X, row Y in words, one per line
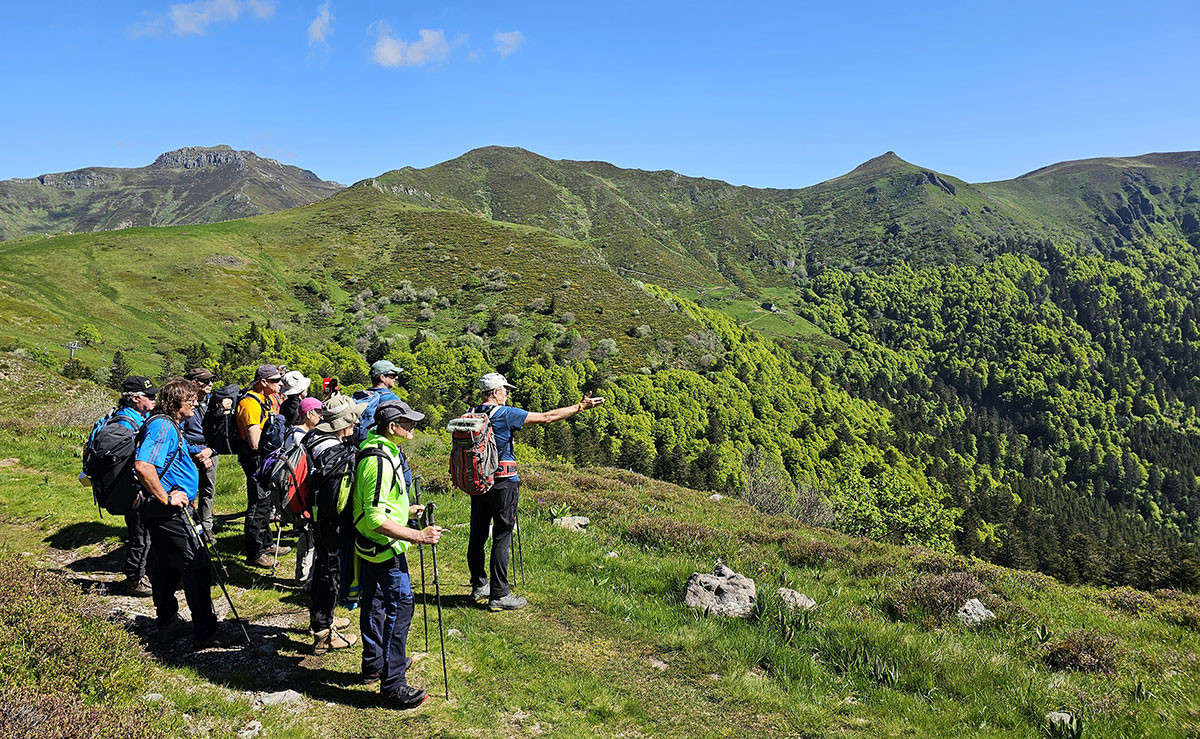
column 765, row 94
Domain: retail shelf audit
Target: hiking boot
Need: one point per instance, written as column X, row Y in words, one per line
column 323, row 641
column 404, row 698
column 140, row 588
column 370, row 678
column 218, row 638
column 278, row 551
column 481, row 593
column 509, row 602
column 172, row 630
column 340, row 622
column 263, row 560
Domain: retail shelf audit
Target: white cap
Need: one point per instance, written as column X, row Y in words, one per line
column 493, row 380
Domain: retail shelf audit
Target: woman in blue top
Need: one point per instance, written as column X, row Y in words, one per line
column 167, row 474
column 497, row 507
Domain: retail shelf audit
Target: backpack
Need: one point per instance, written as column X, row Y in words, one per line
column 274, row 428
column 373, row 396
column 220, row 421
column 108, row 462
column 473, row 456
column 286, row 475
column 331, row 478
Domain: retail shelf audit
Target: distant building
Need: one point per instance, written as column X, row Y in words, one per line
column 771, row 307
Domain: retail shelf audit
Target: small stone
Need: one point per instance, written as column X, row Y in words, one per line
column 250, row 730
column 973, row 613
column 282, row 697
column 716, row 496
column 455, row 633
column 610, row 555
column 572, row 523
column 153, row 697
column 796, row 601
column 9, row 462
column 657, row 664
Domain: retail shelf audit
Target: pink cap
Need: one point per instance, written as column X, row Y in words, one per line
column 309, row 404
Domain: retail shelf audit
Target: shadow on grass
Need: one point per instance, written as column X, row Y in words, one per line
column 84, row 533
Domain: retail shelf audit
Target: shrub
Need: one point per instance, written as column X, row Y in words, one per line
column 667, row 533
column 803, row 552
column 426, row 314
column 1084, row 651
column 508, row 320
column 936, row 596
column 605, row 348
column 74, row 369
column 640, row 332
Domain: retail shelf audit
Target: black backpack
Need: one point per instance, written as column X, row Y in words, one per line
column 331, row 477
column 220, row 421
column 274, row 428
column 108, row 462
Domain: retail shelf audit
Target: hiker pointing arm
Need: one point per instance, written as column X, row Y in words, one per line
column 559, row 414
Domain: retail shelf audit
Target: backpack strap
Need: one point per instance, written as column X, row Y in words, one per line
column 174, row 454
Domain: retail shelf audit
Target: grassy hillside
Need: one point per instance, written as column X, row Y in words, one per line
column 606, row 647
column 315, row 270
column 885, row 211
column 190, row 185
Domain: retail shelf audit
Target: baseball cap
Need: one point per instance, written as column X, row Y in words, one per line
column 308, row 405
column 199, row 374
column 493, row 380
column 383, row 367
column 395, row 410
column 139, row 384
column 267, row 372
column 294, row 383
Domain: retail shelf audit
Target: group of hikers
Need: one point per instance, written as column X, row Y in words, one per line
column 359, row 515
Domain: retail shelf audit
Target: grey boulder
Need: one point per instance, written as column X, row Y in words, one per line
column 974, row 612
column 722, row 593
column 573, row 523
column 796, row 601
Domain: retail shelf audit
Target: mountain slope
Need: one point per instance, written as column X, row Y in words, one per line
column 684, row 230
column 189, row 185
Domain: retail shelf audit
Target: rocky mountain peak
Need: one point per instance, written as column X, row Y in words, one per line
column 200, row 157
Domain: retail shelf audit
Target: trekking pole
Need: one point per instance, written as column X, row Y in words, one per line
column 520, row 549
column 278, row 540
column 421, row 554
column 438, row 591
column 187, row 515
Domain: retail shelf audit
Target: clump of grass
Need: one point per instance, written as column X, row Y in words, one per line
column 668, row 533
column 936, row 597
column 1170, row 606
column 807, row 552
column 1084, row 651
column 64, row 666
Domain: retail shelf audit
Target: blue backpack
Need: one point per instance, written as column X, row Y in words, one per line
column 374, row 396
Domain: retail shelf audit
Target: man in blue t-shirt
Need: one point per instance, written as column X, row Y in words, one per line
column 170, row 479
column 497, row 507
column 137, row 400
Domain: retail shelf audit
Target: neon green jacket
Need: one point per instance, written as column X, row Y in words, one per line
column 379, row 495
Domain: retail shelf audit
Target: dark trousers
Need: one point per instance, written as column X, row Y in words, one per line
column 208, row 490
column 328, row 543
column 137, row 547
column 177, row 554
column 258, row 509
column 497, row 508
column 385, row 620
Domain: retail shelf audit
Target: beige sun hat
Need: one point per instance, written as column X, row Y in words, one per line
column 340, row 412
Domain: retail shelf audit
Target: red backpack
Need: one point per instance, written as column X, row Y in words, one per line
column 473, row 456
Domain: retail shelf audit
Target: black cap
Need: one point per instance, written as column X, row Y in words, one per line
column 139, row 384
column 395, row 410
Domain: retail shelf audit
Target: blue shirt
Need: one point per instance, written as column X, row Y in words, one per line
column 160, row 443
column 505, row 421
column 126, row 412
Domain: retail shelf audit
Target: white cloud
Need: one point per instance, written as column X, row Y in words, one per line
column 394, row 52
column 321, row 27
column 508, row 41
column 262, row 9
column 193, row 19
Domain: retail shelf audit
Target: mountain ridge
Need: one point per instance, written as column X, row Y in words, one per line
column 185, row 186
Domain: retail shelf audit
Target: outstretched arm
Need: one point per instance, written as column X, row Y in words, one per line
column 567, row 411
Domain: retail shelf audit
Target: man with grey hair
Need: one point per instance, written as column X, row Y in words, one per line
column 497, row 508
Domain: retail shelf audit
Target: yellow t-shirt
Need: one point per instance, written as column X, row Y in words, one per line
column 253, row 410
